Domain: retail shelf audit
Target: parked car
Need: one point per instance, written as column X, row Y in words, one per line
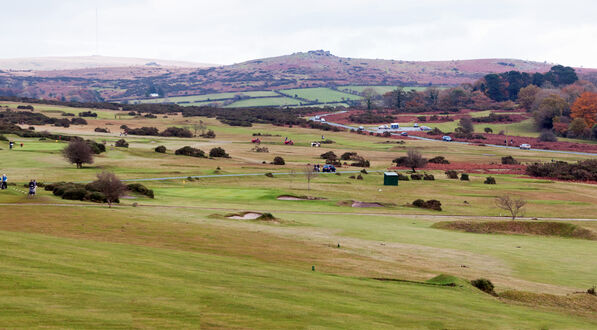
column 425, row 128
column 361, row 128
column 328, row 168
column 416, row 125
column 446, row 138
column 404, row 134
column 525, row 146
column 322, row 119
column 394, row 126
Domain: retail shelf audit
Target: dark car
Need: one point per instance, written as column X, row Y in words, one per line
column 328, row 168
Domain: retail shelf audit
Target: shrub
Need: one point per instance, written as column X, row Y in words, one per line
column 3, row 138
column 360, row 162
column 416, row 176
column 97, row 148
column 439, row 160
column 177, row 131
column 489, row 180
column 74, row 194
column 364, row 171
column 160, row 149
column 585, row 170
column 428, row 177
column 547, row 136
column 218, row 152
column 348, row 155
column 151, row 131
column 509, row 160
column 484, row 285
column 190, row 151
column 464, row 177
column 431, row 204
column 100, row 130
column 260, row 149
column 96, row 196
column 359, row 177
column 141, row 189
column 330, row 155
column 78, row 121
column 278, row 161
column 87, row 114
column 269, row 175
column 210, row 134
column 591, row 291
column 451, row 174
column 122, row 143
column 488, row 130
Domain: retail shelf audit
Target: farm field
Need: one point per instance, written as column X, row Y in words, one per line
column 179, row 260
column 320, row 94
column 380, row 89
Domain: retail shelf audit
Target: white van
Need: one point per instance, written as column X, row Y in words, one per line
column 525, row 146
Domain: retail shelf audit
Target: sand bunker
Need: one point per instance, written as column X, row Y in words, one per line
column 364, row 204
column 245, row 216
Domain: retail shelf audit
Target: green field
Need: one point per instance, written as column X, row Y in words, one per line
column 263, row 102
column 380, row 89
column 178, row 261
column 320, row 94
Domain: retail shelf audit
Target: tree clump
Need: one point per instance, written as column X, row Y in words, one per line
column 278, row 161
column 160, row 149
column 121, row 143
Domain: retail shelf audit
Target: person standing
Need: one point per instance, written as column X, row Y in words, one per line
column 4, row 183
column 32, row 188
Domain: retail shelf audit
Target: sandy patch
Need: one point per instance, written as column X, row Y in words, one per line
column 246, row 216
column 297, row 198
column 365, row 204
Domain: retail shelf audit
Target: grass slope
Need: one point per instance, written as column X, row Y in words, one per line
column 53, row 282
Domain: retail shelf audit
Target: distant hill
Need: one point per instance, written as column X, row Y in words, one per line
column 305, row 69
column 88, row 62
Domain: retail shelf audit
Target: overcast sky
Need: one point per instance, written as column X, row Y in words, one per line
column 229, row 31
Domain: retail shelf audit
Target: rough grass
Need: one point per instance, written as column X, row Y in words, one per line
column 542, row 228
column 579, row 302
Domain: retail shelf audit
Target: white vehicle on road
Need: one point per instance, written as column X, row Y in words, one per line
column 525, row 146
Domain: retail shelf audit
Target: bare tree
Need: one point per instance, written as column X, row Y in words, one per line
column 415, row 159
column 110, row 185
column 513, row 205
column 200, row 126
column 309, row 174
column 78, row 152
column 369, row 96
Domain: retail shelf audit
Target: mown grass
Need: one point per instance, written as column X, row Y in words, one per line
column 80, row 282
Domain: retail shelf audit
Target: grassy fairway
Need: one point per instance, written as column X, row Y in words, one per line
column 54, row 281
column 178, row 261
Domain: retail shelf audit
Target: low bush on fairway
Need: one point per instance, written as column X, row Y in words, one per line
column 190, row 151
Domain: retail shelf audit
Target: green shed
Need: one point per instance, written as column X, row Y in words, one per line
column 390, row 178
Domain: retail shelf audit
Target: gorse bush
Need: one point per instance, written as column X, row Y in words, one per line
column 218, row 152
column 509, row 160
column 439, row 160
column 278, row 161
column 160, row 149
column 190, row 151
column 484, row 285
column 141, row 189
column 464, row 177
column 585, row 170
column 122, row 143
column 451, row 174
column 489, row 180
column 431, row 204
